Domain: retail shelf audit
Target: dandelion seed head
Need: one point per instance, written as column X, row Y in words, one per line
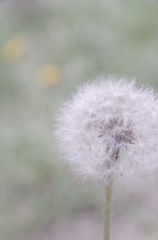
column 109, row 127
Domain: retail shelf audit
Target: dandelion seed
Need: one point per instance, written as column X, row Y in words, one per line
column 116, row 121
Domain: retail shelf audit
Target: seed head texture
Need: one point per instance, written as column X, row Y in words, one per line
column 109, row 127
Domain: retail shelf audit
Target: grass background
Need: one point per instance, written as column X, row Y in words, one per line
column 46, row 49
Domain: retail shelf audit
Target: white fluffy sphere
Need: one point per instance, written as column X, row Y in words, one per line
column 109, row 127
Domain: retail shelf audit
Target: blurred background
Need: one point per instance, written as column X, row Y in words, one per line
column 47, row 47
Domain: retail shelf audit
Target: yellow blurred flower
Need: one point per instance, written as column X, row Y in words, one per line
column 50, row 75
column 15, row 48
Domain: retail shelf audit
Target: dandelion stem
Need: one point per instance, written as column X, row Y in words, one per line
column 107, row 213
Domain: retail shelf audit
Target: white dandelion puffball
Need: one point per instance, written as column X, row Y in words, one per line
column 109, row 127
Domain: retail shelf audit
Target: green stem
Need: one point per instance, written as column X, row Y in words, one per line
column 107, row 213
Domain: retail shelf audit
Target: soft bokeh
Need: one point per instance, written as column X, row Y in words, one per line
column 47, row 47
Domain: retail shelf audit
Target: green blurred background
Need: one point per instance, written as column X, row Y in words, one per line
column 47, row 47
